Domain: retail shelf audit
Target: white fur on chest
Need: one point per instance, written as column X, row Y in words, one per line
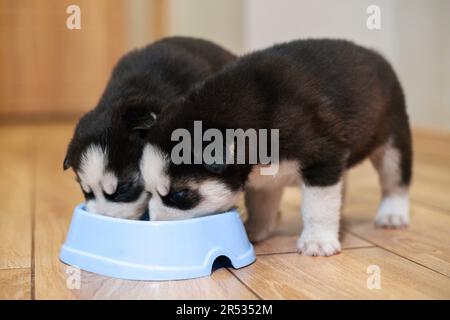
column 288, row 175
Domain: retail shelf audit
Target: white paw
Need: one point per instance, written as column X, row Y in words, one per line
column 392, row 220
column 393, row 213
column 258, row 232
column 318, row 246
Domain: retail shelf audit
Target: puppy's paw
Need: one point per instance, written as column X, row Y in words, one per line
column 259, row 232
column 393, row 212
column 392, row 220
column 318, row 245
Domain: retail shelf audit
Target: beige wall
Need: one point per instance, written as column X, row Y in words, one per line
column 220, row 21
column 414, row 36
column 423, row 36
column 144, row 21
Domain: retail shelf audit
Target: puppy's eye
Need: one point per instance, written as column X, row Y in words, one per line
column 181, row 199
column 125, row 192
column 88, row 195
column 123, row 188
column 177, row 196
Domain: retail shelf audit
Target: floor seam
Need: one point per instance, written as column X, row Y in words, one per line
column 33, row 220
column 15, row 268
column 243, row 283
column 296, row 252
column 426, row 204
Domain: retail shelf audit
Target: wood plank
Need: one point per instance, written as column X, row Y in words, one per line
column 56, row 195
column 15, row 284
column 430, row 185
column 432, row 143
column 426, row 241
column 222, row 284
column 54, row 207
column 287, row 244
column 431, row 134
column 16, row 187
column 343, row 276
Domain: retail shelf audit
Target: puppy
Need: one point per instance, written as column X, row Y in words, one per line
column 334, row 103
column 107, row 143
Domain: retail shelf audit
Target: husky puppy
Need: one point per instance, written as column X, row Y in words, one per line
column 334, row 103
column 107, row 143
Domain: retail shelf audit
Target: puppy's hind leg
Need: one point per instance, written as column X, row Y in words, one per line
column 393, row 161
column 262, row 206
column 393, row 164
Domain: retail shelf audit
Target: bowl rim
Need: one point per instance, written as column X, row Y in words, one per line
column 81, row 209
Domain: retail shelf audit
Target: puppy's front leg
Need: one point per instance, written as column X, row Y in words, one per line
column 320, row 209
column 262, row 206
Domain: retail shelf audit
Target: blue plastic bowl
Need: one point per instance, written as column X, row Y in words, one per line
column 155, row 250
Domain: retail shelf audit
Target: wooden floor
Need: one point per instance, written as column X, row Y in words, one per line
column 38, row 198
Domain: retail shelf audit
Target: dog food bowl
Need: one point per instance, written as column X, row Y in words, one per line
column 155, row 250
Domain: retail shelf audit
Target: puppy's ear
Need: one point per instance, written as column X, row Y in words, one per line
column 66, row 163
column 138, row 117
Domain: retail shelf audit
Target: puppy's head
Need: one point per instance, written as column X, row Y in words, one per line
column 186, row 190
column 104, row 154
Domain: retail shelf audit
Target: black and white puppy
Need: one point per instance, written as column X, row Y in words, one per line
column 107, row 143
column 335, row 103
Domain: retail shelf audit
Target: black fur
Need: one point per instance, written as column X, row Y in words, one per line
column 142, row 83
column 182, row 199
column 333, row 102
